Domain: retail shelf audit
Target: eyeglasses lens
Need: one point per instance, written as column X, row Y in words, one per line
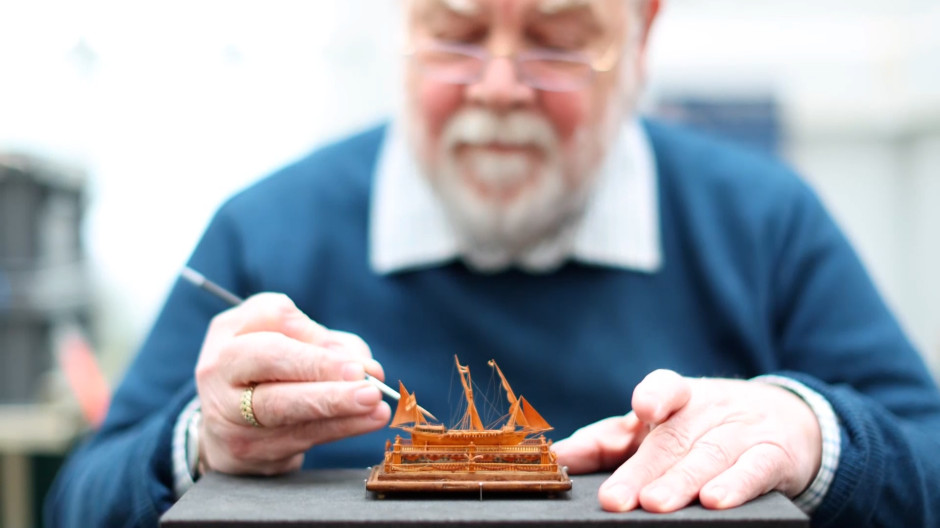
column 463, row 67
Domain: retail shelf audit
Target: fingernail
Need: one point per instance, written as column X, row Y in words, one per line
column 353, row 371
column 367, row 396
column 623, row 496
column 660, row 495
column 724, row 498
column 718, row 494
column 375, row 367
column 378, row 414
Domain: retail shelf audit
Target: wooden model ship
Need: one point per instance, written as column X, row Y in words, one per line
column 469, row 456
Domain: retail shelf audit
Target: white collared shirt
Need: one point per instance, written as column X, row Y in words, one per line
column 620, row 227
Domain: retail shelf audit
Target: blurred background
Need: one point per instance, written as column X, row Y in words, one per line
column 123, row 125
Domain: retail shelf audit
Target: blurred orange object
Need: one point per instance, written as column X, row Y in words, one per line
column 84, row 375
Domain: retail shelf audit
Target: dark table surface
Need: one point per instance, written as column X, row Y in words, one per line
column 328, row 498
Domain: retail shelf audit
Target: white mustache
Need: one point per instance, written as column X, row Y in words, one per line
column 481, row 127
column 501, row 169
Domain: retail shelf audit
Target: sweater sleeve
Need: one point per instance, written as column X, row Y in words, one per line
column 836, row 336
column 119, row 478
column 123, row 475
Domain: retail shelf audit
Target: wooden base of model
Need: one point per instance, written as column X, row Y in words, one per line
column 527, row 467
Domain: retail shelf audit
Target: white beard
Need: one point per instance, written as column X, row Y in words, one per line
column 508, row 208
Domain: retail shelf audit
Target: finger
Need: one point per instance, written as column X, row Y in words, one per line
column 255, row 448
column 234, row 448
column 711, row 454
column 350, row 343
column 293, row 403
column 270, row 356
column 241, row 449
column 324, row 431
column 660, row 394
column 756, row 472
column 269, row 312
column 357, row 348
column 227, row 463
column 662, row 448
column 283, row 441
column 601, row 445
column 279, row 467
column 275, row 312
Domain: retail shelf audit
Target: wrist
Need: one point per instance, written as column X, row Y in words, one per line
column 829, row 427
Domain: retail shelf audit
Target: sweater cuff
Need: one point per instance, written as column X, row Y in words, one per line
column 813, row 496
column 185, row 452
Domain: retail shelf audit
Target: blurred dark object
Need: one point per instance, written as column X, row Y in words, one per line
column 44, row 287
column 753, row 121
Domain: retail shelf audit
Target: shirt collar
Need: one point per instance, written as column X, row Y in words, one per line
column 620, row 228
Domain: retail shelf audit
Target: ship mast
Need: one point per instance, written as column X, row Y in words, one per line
column 509, row 393
column 471, row 414
column 514, row 414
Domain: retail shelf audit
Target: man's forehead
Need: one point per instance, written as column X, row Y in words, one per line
column 547, row 7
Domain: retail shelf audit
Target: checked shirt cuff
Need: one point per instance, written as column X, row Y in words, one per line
column 186, row 447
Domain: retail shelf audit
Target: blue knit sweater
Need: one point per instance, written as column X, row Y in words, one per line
column 756, row 279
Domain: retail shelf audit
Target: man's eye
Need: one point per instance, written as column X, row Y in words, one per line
column 556, row 42
column 462, row 35
column 554, row 47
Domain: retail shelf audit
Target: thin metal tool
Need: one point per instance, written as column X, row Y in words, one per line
column 200, row 281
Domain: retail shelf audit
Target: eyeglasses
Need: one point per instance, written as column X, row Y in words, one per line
column 547, row 70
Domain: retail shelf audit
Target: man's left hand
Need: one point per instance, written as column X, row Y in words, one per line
column 721, row 441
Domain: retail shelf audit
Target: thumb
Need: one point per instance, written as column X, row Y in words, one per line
column 601, row 445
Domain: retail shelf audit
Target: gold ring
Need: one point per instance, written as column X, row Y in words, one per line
column 247, row 408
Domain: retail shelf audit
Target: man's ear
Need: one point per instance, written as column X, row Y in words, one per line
column 650, row 11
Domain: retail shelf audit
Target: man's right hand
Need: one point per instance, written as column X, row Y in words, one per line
column 309, row 387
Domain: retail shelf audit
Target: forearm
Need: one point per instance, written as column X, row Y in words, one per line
column 889, row 473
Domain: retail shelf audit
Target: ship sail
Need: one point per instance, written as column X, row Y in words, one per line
column 534, row 420
column 471, row 416
column 523, row 419
column 521, row 412
column 407, row 411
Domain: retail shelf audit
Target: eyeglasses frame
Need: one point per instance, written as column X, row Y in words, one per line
column 602, row 64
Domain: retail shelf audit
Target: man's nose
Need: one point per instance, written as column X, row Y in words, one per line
column 501, row 87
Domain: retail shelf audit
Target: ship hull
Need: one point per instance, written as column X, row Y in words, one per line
column 530, row 466
column 552, row 481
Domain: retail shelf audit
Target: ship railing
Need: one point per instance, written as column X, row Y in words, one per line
column 452, row 466
column 528, row 442
column 531, row 448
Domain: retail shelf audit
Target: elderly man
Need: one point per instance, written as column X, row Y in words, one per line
column 521, row 211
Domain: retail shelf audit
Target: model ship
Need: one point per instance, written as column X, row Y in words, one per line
column 513, row 456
